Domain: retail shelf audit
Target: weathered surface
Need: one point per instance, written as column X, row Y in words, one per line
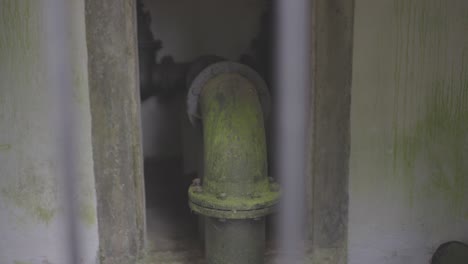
column 409, row 129
column 330, row 111
column 235, row 151
column 235, row 184
column 115, row 109
column 33, row 216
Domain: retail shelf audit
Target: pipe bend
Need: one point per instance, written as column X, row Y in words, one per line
column 235, row 184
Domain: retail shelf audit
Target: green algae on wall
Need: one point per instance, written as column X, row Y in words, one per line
column 34, row 195
column 408, row 169
column 5, row 146
column 440, row 138
column 21, row 20
column 430, row 111
column 21, row 77
column 22, row 105
column 17, row 19
column 31, row 168
column 87, row 213
column 20, row 262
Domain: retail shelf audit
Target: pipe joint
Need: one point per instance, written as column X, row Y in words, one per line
column 222, row 206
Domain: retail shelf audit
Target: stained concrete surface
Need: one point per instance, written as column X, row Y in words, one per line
column 409, row 112
column 116, row 130
column 39, row 60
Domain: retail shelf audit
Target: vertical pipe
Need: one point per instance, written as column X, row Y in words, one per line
column 236, row 193
column 235, row 241
column 292, row 82
column 235, row 165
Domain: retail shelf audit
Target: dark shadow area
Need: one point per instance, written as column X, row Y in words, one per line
column 170, row 224
column 173, row 231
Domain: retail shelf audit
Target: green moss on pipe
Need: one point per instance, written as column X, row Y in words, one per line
column 234, row 137
column 235, row 182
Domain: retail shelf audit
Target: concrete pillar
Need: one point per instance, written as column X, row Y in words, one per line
column 116, row 128
column 329, row 131
column 33, row 214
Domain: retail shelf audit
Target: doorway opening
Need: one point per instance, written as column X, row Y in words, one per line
column 171, row 35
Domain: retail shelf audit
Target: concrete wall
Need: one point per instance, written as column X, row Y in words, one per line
column 33, row 222
column 409, row 129
column 189, row 29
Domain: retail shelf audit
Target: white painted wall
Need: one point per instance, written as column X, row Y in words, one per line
column 409, row 129
column 32, row 218
column 189, row 29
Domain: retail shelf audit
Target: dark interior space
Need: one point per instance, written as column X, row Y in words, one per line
column 173, row 231
column 170, row 224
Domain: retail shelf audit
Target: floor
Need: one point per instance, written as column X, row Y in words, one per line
column 171, row 226
column 172, row 229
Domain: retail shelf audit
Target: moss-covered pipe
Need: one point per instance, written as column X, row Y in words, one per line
column 235, row 193
column 234, row 138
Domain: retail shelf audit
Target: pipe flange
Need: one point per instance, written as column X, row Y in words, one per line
column 218, row 68
column 222, row 206
column 232, row 214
